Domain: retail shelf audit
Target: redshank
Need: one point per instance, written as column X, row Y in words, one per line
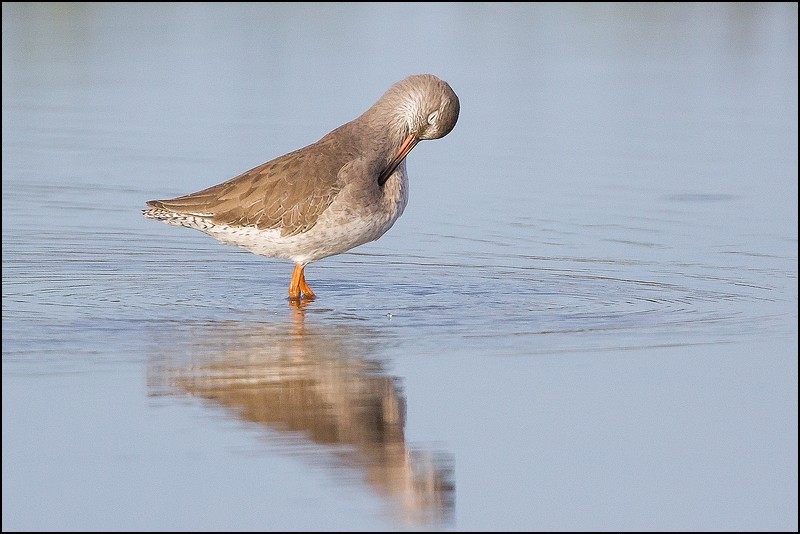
column 345, row 190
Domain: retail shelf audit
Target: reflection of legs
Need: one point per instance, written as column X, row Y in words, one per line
column 298, row 284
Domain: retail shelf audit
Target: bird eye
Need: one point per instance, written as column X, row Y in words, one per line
column 432, row 117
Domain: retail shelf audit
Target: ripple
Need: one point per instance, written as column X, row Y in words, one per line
column 700, row 197
column 478, row 288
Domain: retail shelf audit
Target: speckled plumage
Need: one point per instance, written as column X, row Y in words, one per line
column 345, row 190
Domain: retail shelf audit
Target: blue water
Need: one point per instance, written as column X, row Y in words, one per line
column 585, row 320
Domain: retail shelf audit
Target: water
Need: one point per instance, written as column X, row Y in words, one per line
column 586, row 318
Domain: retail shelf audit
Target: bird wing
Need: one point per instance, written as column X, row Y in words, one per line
column 288, row 193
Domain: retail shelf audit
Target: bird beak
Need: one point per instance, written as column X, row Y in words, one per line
column 410, row 142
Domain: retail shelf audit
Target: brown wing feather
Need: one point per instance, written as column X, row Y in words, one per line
column 289, row 192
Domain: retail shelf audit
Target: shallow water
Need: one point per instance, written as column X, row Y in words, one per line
column 586, row 318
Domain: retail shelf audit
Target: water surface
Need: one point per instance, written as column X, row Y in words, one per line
column 586, row 319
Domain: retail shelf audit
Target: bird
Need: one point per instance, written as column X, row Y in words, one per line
column 340, row 192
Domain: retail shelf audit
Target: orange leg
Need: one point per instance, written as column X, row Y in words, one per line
column 304, row 286
column 298, row 286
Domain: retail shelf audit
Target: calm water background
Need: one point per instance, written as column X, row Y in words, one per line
column 586, row 318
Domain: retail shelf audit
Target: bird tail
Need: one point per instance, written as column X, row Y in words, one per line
column 159, row 212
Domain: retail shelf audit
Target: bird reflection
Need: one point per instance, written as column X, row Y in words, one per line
column 315, row 383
